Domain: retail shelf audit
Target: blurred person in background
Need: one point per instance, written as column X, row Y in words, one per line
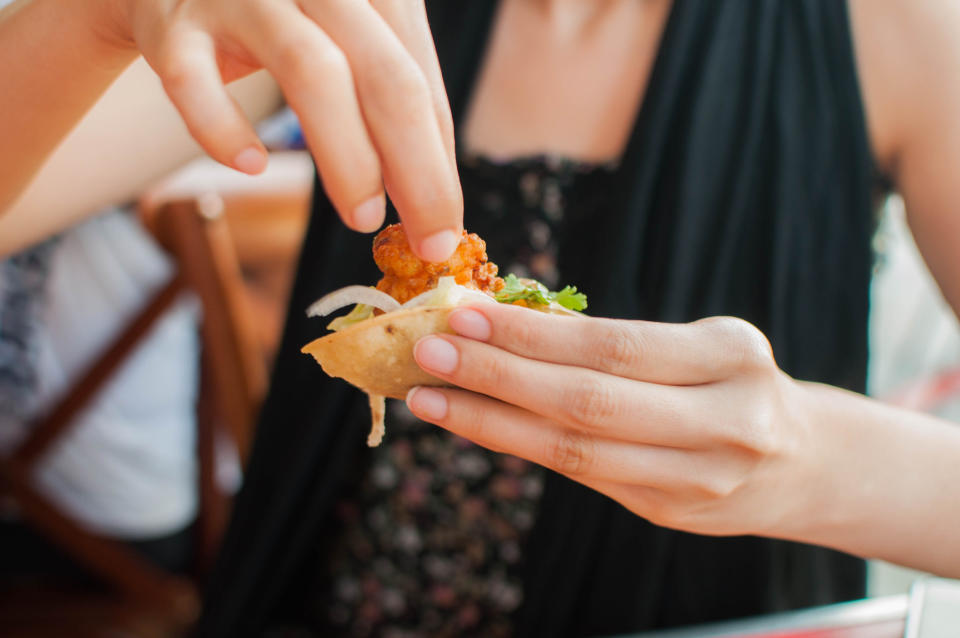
column 126, row 468
column 725, row 162
column 68, row 286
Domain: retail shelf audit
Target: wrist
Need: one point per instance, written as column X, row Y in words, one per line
column 877, row 480
column 822, row 512
column 803, row 467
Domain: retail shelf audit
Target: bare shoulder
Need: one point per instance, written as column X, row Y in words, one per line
column 908, row 58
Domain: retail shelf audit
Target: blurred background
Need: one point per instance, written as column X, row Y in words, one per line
column 914, row 345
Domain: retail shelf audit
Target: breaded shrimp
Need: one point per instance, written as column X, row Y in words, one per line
column 405, row 275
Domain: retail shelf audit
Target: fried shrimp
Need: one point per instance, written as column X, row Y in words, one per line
column 405, row 275
column 372, row 345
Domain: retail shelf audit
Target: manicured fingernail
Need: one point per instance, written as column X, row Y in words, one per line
column 436, row 354
column 439, row 246
column 251, row 160
column 427, row 404
column 368, row 216
column 470, row 323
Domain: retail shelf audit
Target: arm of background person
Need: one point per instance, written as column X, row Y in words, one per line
column 130, row 138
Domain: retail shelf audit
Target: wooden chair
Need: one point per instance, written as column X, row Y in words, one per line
column 189, row 217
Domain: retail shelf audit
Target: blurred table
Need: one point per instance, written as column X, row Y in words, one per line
column 871, row 618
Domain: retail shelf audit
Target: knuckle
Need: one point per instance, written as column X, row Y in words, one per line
column 403, row 94
column 618, row 346
column 526, row 336
column 758, row 436
column 473, row 421
column 409, row 83
column 177, row 72
column 440, row 201
column 701, row 480
column 495, row 373
column 590, row 404
column 303, row 57
column 747, row 348
column 716, row 488
column 330, row 62
column 571, row 453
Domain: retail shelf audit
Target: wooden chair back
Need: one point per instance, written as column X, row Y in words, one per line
column 210, row 264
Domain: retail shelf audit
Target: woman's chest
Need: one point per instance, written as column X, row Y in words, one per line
column 553, row 82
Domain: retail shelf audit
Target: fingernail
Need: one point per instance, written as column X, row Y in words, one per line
column 470, row 323
column 251, row 160
column 439, row 246
column 436, row 354
column 429, row 405
column 368, row 216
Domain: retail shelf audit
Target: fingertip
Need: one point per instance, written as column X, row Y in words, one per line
column 470, row 323
column 427, row 403
column 251, row 160
column 410, row 393
column 439, row 246
column 435, row 354
column 369, row 216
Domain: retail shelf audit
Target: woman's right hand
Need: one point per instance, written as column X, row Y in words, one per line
column 363, row 78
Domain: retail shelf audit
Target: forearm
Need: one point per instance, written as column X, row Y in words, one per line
column 129, row 139
column 54, row 65
column 886, row 484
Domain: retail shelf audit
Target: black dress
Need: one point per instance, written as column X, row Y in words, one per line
column 429, row 543
column 745, row 190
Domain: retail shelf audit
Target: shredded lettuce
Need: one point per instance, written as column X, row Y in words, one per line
column 534, row 293
column 527, row 291
column 359, row 313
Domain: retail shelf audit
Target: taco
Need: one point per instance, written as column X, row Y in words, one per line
column 371, row 347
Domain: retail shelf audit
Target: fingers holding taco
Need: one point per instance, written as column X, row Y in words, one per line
column 372, row 346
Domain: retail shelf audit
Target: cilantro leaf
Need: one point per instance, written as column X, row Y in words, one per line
column 571, row 299
column 534, row 293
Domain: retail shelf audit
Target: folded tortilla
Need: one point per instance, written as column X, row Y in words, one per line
column 376, row 355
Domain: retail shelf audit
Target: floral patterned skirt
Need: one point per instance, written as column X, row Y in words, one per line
column 431, row 541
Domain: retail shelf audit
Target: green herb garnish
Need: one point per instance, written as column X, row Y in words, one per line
column 535, row 293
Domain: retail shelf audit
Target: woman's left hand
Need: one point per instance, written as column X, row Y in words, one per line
column 691, row 426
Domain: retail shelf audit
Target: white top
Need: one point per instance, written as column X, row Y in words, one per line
column 127, row 466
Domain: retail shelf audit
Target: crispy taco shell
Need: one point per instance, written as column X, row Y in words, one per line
column 376, row 355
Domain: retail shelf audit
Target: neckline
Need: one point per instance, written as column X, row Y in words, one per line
column 653, row 85
column 550, row 162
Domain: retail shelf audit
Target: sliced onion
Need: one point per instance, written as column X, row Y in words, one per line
column 469, row 294
column 349, row 296
column 463, row 294
column 558, row 309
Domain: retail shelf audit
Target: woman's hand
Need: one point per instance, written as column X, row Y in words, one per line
column 691, row 426
column 363, row 78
